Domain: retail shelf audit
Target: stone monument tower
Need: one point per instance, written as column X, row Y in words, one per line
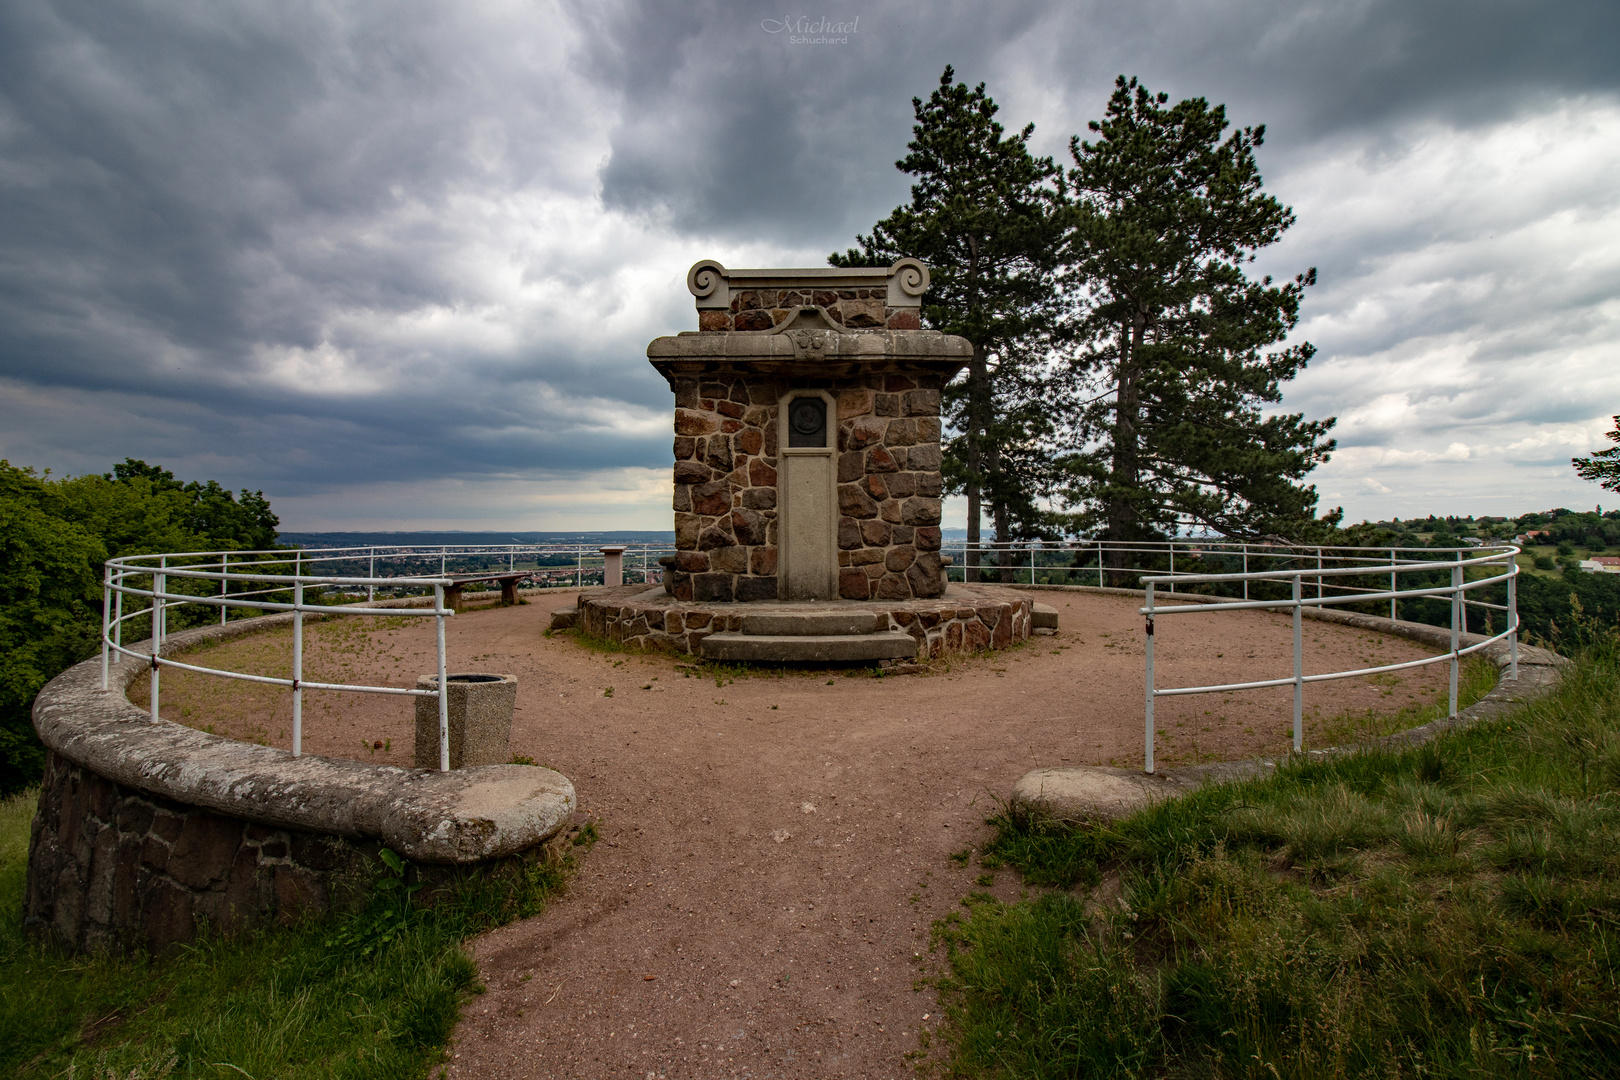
column 807, row 435
column 806, row 482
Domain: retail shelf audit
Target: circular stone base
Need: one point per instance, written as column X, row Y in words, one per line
column 968, row 618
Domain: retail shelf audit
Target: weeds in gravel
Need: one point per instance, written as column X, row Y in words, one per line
column 1450, row 910
column 372, row 994
column 1475, row 679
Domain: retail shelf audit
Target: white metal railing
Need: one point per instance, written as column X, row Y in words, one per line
column 250, row 581
column 550, row 565
column 159, row 571
column 1113, row 562
column 1352, row 563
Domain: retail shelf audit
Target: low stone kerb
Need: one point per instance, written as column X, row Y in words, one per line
column 465, row 816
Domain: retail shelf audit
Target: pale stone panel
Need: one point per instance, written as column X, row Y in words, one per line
column 810, row 556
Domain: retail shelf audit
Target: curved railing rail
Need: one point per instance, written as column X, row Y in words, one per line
column 1083, row 561
column 152, row 578
column 148, row 588
column 284, row 580
column 1496, row 563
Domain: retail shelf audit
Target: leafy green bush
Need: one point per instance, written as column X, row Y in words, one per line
column 54, row 536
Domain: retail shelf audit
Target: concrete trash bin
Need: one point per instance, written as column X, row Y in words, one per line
column 480, row 720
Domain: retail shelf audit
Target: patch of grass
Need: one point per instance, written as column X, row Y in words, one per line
column 591, row 641
column 1475, row 679
column 372, row 994
column 725, row 672
column 1449, row 910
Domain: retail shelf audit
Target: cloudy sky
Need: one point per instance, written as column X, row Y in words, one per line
column 397, row 264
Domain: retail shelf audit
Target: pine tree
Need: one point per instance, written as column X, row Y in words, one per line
column 1602, row 465
column 986, row 216
column 1166, row 215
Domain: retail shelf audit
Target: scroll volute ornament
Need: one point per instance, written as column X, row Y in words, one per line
column 708, row 282
column 912, row 278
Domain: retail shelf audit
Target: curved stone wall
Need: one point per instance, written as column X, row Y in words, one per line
column 968, row 618
column 144, row 827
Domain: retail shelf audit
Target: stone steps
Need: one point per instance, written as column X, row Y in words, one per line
column 822, row 645
column 1044, row 617
column 817, row 623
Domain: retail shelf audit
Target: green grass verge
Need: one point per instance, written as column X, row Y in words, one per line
column 1447, row 911
column 371, row 994
column 1476, row 677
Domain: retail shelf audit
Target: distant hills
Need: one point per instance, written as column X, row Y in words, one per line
column 455, row 538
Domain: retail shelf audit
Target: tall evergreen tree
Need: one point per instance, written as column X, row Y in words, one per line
column 1602, row 466
column 1167, row 213
column 987, row 217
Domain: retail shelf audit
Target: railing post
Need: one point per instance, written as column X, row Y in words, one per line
column 224, row 585
column 1513, row 617
column 298, row 668
column 106, row 613
column 118, row 612
column 1147, row 701
column 612, row 565
column 1099, row 565
column 1172, row 566
column 1392, row 586
column 371, row 572
column 1456, row 610
column 1299, row 667
column 1032, row 564
column 444, row 688
column 158, row 585
column 1245, row 570
column 579, row 569
column 1319, row 573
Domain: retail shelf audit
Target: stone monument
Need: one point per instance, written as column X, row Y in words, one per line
column 807, row 434
column 807, row 480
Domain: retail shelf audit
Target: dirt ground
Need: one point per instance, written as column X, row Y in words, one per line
column 775, row 847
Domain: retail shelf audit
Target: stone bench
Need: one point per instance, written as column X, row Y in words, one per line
column 508, row 580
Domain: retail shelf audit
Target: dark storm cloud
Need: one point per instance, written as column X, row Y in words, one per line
column 309, row 247
column 733, row 129
column 186, row 186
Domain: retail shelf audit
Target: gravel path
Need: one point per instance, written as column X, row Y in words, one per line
column 775, row 849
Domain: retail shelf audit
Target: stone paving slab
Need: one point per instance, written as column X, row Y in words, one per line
column 809, row 648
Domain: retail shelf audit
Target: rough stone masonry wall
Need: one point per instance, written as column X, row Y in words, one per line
column 856, row 309
column 970, row 619
column 112, row 868
column 145, row 828
column 889, row 486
